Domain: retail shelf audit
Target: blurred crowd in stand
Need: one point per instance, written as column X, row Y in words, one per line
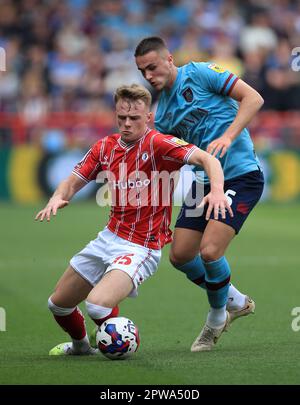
column 71, row 55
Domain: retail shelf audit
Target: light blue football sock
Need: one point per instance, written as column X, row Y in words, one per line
column 217, row 277
column 194, row 270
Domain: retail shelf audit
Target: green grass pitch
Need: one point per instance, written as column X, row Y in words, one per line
column 259, row 349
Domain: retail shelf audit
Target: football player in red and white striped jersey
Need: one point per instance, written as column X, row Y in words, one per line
column 139, row 165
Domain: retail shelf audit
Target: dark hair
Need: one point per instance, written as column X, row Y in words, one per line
column 149, row 44
column 134, row 92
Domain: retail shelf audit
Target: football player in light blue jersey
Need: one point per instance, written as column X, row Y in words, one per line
column 209, row 106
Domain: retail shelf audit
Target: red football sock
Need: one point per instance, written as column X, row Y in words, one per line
column 73, row 324
column 114, row 312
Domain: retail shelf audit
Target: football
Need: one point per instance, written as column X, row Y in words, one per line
column 118, row 338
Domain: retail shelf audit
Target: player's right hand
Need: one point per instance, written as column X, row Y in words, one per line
column 51, row 209
column 218, row 204
column 219, row 146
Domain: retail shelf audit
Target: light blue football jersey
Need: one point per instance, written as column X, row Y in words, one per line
column 198, row 109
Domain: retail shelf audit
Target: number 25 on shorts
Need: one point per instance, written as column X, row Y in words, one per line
column 125, row 259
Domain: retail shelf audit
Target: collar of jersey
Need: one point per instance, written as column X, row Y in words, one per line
column 129, row 145
column 175, row 86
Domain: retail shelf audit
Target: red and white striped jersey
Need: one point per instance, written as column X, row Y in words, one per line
column 139, row 179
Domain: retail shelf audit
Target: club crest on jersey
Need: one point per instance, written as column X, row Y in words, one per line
column 188, row 95
column 216, row 68
column 105, row 160
column 169, row 116
column 145, row 156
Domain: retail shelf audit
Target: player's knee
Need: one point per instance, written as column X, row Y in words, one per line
column 103, row 300
column 210, row 252
column 173, row 260
column 177, row 259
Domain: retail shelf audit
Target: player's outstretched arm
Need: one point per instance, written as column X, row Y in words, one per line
column 250, row 102
column 216, row 199
column 61, row 197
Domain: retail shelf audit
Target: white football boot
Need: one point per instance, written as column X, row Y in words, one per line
column 247, row 309
column 209, row 336
column 67, row 349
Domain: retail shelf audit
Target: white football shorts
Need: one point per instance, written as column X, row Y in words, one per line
column 110, row 252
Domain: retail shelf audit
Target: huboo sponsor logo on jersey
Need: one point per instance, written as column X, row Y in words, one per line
column 123, row 185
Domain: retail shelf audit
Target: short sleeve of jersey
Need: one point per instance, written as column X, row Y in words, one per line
column 214, row 78
column 88, row 168
column 174, row 152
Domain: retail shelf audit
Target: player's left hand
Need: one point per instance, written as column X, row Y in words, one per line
column 218, row 203
column 221, row 144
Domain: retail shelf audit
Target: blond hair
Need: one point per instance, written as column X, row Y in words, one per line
column 134, row 92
